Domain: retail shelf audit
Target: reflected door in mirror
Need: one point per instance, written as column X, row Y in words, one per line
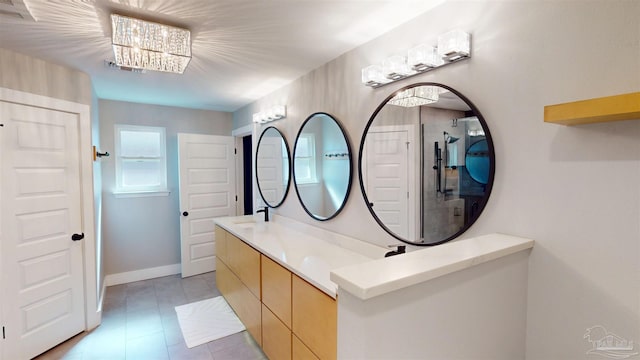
column 272, row 167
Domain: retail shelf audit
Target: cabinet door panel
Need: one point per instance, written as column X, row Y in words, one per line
column 221, row 244
column 276, row 289
column 244, row 303
column 276, row 337
column 300, row 351
column 314, row 317
column 244, row 261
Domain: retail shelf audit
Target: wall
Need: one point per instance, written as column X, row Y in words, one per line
column 144, row 232
column 28, row 74
column 575, row 190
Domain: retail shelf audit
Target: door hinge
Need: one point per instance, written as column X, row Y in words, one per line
column 236, row 197
column 3, row 336
column 235, row 151
column 1, row 125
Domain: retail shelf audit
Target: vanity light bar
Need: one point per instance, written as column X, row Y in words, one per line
column 274, row 113
column 452, row 47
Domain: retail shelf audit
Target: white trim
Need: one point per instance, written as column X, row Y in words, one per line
column 135, row 194
column 142, row 274
column 239, row 133
column 242, row 131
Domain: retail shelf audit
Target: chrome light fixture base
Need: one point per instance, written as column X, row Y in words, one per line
column 452, row 47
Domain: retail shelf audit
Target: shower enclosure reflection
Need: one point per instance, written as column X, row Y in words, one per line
column 426, row 165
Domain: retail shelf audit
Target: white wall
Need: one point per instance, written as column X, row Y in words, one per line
column 144, row 232
column 575, row 190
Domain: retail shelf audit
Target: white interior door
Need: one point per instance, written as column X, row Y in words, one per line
column 387, row 179
column 207, row 190
column 42, row 268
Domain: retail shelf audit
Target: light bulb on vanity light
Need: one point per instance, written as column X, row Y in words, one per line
column 423, row 57
column 274, row 113
column 372, row 76
column 454, row 45
column 396, row 68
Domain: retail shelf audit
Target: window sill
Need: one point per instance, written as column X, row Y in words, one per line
column 308, row 183
column 135, row 194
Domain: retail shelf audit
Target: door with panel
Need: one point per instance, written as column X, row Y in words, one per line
column 207, row 190
column 40, row 217
column 389, row 165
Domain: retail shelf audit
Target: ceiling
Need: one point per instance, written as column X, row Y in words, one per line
column 242, row 49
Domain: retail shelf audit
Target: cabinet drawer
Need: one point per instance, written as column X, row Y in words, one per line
column 300, row 351
column 244, row 261
column 276, row 337
column 314, row 318
column 276, row 289
column 244, row 303
column 221, row 244
column 222, row 277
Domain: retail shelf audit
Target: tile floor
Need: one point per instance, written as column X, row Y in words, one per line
column 139, row 323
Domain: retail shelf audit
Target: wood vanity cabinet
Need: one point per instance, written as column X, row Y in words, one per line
column 300, row 351
column 315, row 318
column 236, row 277
column 276, row 311
column 221, row 244
column 290, row 318
column 244, row 261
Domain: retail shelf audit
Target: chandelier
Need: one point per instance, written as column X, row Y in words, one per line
column 140, row 44
column 416, row 96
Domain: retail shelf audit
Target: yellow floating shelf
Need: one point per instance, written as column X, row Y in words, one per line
column 604, row 109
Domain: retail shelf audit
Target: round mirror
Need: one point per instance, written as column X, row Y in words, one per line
column 272, row 167
column 322, row 166
column 426, row 164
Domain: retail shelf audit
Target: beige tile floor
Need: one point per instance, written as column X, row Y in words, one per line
column 139, row 323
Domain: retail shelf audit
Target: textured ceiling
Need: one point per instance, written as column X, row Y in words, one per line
column 242, row 50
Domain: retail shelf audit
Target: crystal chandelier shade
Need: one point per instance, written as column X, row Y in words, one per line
column 141, row 44
column 417, row 96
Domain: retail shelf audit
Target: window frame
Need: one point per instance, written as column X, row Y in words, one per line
column 146, row 190
column 312, row 161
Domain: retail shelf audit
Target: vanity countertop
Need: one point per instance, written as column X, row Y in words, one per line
column 377, row 277
column 307, row 251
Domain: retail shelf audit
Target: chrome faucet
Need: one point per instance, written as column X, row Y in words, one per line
column 265, row 210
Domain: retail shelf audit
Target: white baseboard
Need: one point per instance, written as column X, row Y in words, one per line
column 142, row 274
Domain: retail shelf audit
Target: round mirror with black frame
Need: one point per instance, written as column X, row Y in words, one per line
column 322, row 168
column 273, row 161
column 426, row 164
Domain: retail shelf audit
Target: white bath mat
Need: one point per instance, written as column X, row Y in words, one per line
column 207, row 320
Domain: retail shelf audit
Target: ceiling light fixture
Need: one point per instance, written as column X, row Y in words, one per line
column 452, row 47
column 147, row 45
column 416, row 96
column 274, row 113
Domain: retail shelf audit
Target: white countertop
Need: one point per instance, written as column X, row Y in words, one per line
column 307, row 251
column 377, row 277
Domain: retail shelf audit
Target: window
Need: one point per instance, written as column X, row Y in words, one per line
column 305, row 159
column 141, row 163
